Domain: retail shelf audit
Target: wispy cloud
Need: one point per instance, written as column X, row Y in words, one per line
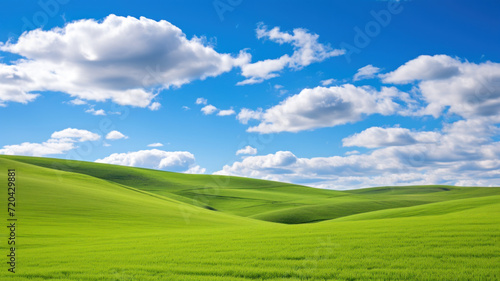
column 201, row 101
column 99, row 112
column 226, row 112
column 156, row 144
column 307, row 50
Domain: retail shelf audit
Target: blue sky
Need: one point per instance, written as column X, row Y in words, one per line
column 333, row 94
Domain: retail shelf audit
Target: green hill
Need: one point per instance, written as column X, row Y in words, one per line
column 89, row 221
column 259, row 199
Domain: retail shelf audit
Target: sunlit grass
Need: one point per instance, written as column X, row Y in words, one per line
column 99, row 222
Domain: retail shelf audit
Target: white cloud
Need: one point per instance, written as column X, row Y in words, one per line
column 424, row 68
column 307, row 50
column 201, row 101
column 209, row 109
column 366, row 72
column 12, row 80
column 280, row 89
column 324, row 107
column 115, row 135
column 463, row 153
column 248, row 150
column 154, row 106
column 59, row 143
column 52, row 146
column 476, row 131
column 226, row 112
column 108, row 60
column 328, row 82
column 246, row 115
column 379, row 137
column 77, row 102
column 467, row 89
column 186, row 107
column 75, row 135
column 92, row 111
column 176, row 161
column 386, row 166
column 263, row 70
column 156, row 144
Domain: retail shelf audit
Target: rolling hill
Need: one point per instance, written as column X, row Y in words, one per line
column 90, row 221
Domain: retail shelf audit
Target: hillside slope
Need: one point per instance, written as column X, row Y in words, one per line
column 259, row 199
column 78, row 199
column 75, row 226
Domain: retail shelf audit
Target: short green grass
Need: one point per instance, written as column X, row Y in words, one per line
column 88, row 221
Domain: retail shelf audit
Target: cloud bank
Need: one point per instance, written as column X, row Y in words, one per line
column 462, row 152
column 463, row 88
column 122, row 59
column 175, row 161
column 60, row 142
column 455, row 157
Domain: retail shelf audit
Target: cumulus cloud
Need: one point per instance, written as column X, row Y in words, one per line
column 50, row 147
column 246, row 115
column 175, row 161
column 75, row 135
column 385, row 166
column 323, row 107
column 467, row 89
column 99, row 112
column 209, row 109
column 424, row 68
column 378, row 137
column 201, row 101
column 226, row 112
column 108, row 60
column 443, row 84
column 59, row 143
column 462, row 153
column 307, row 50
column 248, row 150
column 115, row 135
column 476, row 131
column 366, row 72
column 154, row 106
column 12, row 81
column 156, row 144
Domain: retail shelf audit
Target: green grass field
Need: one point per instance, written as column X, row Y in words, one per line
column 89, row 221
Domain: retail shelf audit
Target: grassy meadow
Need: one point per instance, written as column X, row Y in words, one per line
column 90, row 221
